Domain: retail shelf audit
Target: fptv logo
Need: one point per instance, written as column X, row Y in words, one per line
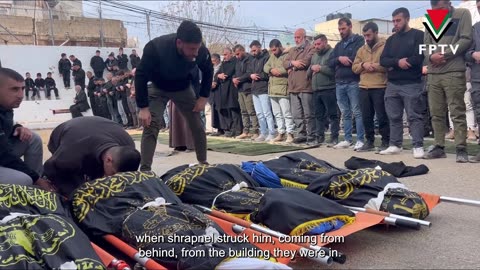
column 437, row 23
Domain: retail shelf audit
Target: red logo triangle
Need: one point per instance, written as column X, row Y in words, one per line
column 437, row 16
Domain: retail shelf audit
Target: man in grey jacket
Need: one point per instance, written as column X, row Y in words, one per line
column 473, row 58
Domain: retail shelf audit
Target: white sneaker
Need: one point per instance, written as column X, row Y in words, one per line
column 418, row 152
column 357, row 146
column 270, row 138
column 260, row 138
column 391, row 150
column 343, row 145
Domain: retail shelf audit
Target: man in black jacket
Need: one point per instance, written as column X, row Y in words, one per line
column 79, row 76
column 167, row 62
column 243, row 83
column 91, row 92
column 51, row 85
column 17, row 141
column 87, row 148
column 64, row 67
column 225, row 97
column 122, row 60
column 75, row 61
column 97, row 64
column 261, row 101
column 80, row 103
column 134, row 59
column 404, row 88
column 347, row 86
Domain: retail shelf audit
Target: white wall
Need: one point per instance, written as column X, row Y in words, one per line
column 43, row 59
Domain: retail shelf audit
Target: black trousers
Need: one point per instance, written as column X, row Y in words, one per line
column 102, row 107
column 94, row 106
column 76, row 110
column 98, row 73
column 66, row 78
column 326, row 111
column 231, row 119
column 372, row 101
column 49, row 90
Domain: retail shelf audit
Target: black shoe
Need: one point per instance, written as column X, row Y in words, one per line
column 476, row 159
column 180, row 148
column 367, row 147
column 321, row 139
column 332, row 142
column 217, row 134
column 313, row 142
column 462, row 155
column 435, row 152
column 299, row 140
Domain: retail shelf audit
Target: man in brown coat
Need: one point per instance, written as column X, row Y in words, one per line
column 300, row 88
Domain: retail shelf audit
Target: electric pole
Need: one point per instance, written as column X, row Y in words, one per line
column 101, row 22
column 51, row 24
column 148, row 26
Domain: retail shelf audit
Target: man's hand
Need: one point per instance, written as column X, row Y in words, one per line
column 403, row 64
column 424, row 70
column 368, row 67
column 437, row 59
column 200, row 104
column 110, row 93
column 222, row 76
column 255, row 77
column 144, row 117
column 236, row 81
column 476, row 56
column 275, row 72
column 345, row 60
column 23, row 133
column 45, row 185
column 298, row 64
column 214, row 85
column 316, row 68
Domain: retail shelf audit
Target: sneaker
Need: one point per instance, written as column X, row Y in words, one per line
column 450, row 135
column 289, row 138
column 243, row 136
column 462, row 155
column 270, row 138
column 391, row 150
column 358, row 145
column 435, row 152
column 279, row 138
column 255, row 136
column 260, row 138
column 366, row 148
column 343, row 145
column 418, row 152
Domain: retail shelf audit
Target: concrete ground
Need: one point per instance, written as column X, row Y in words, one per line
column 453, row 241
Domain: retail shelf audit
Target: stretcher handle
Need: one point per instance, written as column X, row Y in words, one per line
column 387, row 214
column 133, row 253
column 407, row 224
column 341, row 258
column 114, row 264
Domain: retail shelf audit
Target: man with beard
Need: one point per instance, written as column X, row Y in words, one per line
column 226, row 97
column 373, row 80
column 97, row 64
column 300, row 88
column 243, row 83
column 341, row 61
column 17, row 141
column 447, row 82
column 168, row 62
column 278, row 92
column 75, row 61
column 261, row 102
column 323, row 85
column 64, row 67
column 404, row 63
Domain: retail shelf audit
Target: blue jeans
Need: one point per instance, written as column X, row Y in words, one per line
column 263, row 108
column 348, row 101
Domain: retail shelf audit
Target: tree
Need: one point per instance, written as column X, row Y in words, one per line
column 214, row 12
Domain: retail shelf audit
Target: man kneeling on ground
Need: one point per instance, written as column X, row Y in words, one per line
column 17, row 141
column 87, row 148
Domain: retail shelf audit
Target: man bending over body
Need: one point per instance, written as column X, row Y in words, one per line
column 86, row 148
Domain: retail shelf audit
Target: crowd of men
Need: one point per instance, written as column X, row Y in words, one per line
column 368, row 82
